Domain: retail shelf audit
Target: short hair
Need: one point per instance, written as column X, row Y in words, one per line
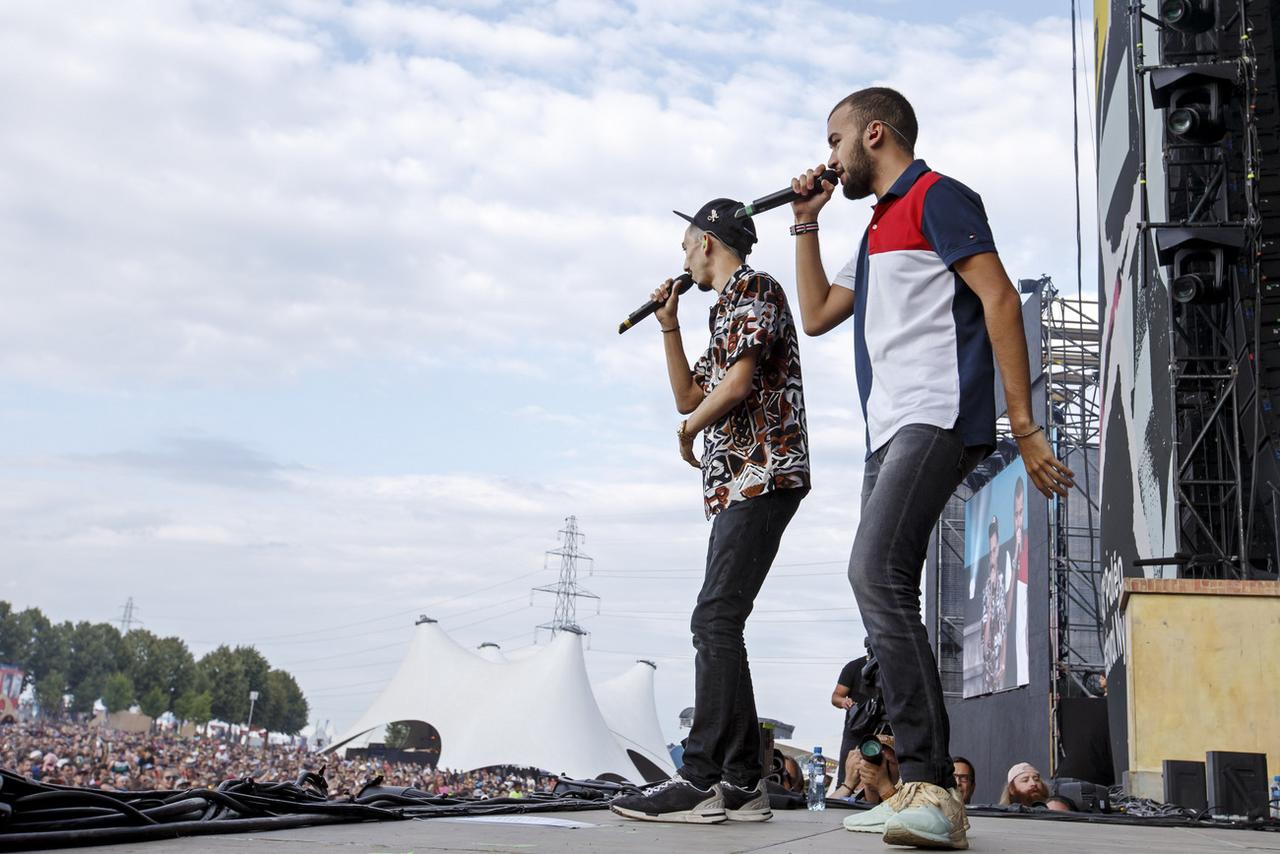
column 972, row 770
column 993, row 530
column 694, row 233
column 880, row 103
column 1018, row 488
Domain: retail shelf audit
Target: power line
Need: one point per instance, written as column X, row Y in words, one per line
column 754, row 661
column 699, row 574
column 345, row 689
column 1075, row 148
column 750, row 622
column 417, row 609
column 685, row 611
column 494, row 617
column 331, row 656
column 349, row 666
column 843, row 562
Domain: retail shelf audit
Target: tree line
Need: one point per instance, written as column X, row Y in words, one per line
column 94, row 661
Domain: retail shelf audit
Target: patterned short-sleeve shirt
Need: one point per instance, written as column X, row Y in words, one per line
column 762, row 444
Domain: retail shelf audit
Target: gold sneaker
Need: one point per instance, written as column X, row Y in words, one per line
column 927, row 816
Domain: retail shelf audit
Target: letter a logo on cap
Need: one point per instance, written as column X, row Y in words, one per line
column 713, row 216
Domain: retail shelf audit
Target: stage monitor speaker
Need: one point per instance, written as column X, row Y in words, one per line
column 1184, row 784
column 1236, row 783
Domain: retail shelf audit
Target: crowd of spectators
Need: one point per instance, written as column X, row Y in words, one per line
column 77, row 754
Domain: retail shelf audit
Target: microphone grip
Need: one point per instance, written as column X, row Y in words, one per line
column 782, row 197
column 682, row 284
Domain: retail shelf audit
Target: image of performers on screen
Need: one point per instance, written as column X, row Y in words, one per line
column 998, row 557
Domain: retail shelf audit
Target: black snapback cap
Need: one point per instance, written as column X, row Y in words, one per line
column 716, row 218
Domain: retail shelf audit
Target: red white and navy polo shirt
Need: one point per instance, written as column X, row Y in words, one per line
column 922, row 354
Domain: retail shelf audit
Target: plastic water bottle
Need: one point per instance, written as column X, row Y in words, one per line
column 816, row 790
column 1275, row 796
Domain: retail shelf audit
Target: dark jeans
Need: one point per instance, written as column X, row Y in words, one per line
column 724, row 742
column 847, row 743
column 905, row 487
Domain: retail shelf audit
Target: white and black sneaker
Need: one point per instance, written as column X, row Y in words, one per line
column 673, row 800
column 743, row 804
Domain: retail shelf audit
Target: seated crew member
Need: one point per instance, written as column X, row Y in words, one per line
column 745, row 396
column 870, row 781
column 966, row 778
column 1024, row 787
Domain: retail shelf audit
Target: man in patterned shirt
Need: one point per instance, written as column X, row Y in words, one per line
column 995, row 615
column 745, row 396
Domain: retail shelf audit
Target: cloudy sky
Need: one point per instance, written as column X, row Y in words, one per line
column 310, row 307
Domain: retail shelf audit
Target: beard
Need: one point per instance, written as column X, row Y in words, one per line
column 857, row 175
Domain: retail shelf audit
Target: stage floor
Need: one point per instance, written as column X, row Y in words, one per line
column 602, row 832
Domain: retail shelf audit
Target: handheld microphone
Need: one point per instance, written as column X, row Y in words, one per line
column 682, row 284
column 783, row 197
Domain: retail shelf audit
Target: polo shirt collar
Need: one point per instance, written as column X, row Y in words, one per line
column 905, row 181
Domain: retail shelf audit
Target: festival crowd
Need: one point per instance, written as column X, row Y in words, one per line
column 75, row 754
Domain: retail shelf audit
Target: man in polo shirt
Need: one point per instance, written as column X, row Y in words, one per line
column 745, row 396
column 930, row 302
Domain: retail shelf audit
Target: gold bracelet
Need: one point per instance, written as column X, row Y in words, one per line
column 683, row 430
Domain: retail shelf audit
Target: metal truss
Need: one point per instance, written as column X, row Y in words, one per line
column 1071, row 343
column 1225, row 464
column 567, row 590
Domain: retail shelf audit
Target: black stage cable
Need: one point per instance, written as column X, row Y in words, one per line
column 35, row 815
column 1075, row 148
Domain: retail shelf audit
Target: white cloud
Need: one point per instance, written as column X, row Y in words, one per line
column 240, row 197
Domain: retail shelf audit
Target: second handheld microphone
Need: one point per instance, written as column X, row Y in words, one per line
column 783, row 197
column 681, row 283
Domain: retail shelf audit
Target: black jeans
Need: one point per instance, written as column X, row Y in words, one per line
column 724, row 742
column 905, row 487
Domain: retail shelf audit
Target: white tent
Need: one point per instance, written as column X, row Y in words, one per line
column 627, row 703
column 538, row 711
column 490, row 652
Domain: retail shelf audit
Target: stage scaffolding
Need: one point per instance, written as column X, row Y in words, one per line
column 1070, row 340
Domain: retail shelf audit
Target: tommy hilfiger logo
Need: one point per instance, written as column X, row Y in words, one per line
column 713, row 216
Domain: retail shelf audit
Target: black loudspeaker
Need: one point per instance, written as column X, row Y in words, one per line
column 1184, row 784
column 1086, row 740
column 1236, row 783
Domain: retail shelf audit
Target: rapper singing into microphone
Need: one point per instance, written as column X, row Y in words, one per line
column 744, row 396
column 930, row 303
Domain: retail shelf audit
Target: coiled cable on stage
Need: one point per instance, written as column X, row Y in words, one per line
column 36, row 815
